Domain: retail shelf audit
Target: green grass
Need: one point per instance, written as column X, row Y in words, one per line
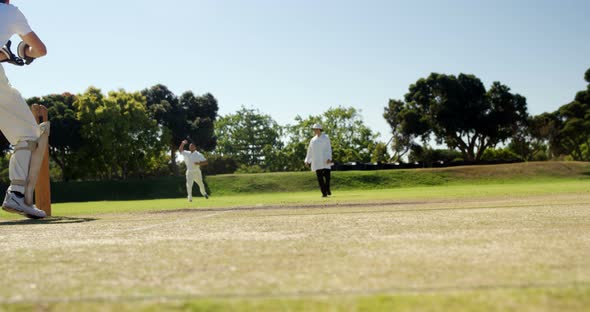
column 521, row 300
column 361, row 186
column 494, row 239
column 468, row 253
column 389, row 179
column 289, row 182
column 505, row 189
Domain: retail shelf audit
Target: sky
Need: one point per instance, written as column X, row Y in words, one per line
column 302, row 57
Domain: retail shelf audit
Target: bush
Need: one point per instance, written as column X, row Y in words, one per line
column 250, row 169
column 540, row 156
column 219, row 165
column 429, row 157
column 502, row 155
column 4, row 161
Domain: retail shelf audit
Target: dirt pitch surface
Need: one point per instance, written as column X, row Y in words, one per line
column 290, row 251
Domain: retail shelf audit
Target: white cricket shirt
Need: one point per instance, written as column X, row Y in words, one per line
column 191, row 158
column 12, row 21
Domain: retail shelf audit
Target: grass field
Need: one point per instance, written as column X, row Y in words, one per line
column 514, row 245
column 289, row 182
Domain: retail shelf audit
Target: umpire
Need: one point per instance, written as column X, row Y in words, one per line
column 319, row 156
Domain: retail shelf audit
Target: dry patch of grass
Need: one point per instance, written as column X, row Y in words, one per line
column 425, row 249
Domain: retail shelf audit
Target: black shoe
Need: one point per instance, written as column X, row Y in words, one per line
column 206, row 196
column 329, row 193
column 324, row 195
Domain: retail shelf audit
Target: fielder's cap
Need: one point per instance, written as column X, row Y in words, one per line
column 317, row 126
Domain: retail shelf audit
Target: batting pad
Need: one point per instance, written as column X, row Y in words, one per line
column 36, row 160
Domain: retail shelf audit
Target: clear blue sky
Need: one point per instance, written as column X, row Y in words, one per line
column 290, row 57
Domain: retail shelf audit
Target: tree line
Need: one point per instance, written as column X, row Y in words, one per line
column 121, row 135
column 474, row 122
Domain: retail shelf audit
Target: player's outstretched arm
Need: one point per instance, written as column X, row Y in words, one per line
column 181, row 147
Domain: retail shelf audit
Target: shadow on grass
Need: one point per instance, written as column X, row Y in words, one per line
column 48, row 220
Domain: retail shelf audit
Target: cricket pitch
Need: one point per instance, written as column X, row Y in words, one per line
column 397, row 247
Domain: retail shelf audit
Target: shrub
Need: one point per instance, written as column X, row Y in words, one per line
column 501, row 155
column 220, row 165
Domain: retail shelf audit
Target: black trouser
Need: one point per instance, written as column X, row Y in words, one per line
column 324, row 181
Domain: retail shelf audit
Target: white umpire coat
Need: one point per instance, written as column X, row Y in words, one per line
column 319, row 152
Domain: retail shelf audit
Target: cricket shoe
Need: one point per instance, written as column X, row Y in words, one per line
column 206, row 196
column 190, row 199
column 15, row 204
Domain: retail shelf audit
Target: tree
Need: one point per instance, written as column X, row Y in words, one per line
column 458, row 112
column 573, row 136
column 201, row 114
column 4, row 145
column 298, row 136
column 164, row 107
column 65, row 139
column 545, row 128
column 406, row 124
column 250, row 137
column 532, row 140
column 351, row 139
column 4, row 159
column 189, row 117
column 121, row 139
column 379, row 153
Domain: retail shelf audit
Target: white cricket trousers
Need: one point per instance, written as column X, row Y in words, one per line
column 194, row 176
column 18, row 125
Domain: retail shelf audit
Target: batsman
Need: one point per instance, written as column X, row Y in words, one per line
column 28, row 139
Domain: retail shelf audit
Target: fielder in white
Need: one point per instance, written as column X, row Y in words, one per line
column 193, row 160
column 17, row 123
